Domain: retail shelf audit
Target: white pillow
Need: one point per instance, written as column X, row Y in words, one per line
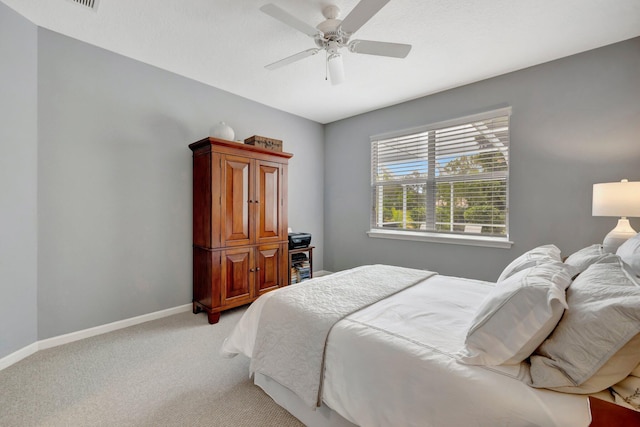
column 517, row 315
column 629, row 252
column 627, row 393
column 603, row 321
column 539, row 255
column 614, row 370
column 583, row 258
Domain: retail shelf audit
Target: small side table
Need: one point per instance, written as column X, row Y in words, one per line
column 309, row 251
column 607, row 414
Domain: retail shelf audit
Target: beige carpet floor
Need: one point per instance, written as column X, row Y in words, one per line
column 166, row 372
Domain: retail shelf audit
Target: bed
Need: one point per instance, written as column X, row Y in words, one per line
column 401, row 358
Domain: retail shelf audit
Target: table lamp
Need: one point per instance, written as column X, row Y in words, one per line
column 620, row 199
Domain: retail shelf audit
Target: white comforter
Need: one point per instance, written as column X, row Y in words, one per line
column 394, row 364
column 295, row 322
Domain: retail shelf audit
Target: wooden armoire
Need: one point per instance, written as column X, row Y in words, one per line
column 240, row 234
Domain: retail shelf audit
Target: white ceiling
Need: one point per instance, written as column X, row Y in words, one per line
column 226, row 43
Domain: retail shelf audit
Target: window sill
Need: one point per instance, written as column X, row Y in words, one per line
column 453, row 239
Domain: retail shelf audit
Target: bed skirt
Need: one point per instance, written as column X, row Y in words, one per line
column 322, row 416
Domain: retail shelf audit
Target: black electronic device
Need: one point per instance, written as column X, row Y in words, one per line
column 299, row 240
column 299, row 257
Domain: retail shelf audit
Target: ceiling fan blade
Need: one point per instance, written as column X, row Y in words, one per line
column 361, row 14
column 293, row 58
column 395, row 50
column 285, row 17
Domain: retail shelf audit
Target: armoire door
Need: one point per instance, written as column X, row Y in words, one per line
column 237, row 201
column 269, row 201
column 237, row 279
column 268, row 269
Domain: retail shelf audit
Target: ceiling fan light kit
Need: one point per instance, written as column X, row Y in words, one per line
column 336, row 68
column 332, row 34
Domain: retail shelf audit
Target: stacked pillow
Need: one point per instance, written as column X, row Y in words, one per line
column 627, row 392
column 593, row 345
column 583, row 258
column 536, row 256
column 520, row 311
column 629, row 252
column 597, row 342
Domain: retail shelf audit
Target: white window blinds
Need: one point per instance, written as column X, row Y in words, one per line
column 448, row 177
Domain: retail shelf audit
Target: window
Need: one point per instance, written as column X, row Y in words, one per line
column 448, row 180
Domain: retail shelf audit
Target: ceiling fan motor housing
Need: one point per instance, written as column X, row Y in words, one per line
column 330, row 29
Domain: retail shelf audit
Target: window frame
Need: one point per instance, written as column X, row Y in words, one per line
column 432, row 235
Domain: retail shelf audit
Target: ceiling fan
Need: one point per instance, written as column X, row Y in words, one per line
column 333, row 34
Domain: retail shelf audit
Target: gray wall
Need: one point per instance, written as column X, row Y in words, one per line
column 18, row 180
column 114, row 181
column 575, row 122
column 95, row 173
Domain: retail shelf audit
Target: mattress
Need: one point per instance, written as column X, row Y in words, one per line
column 395, row 363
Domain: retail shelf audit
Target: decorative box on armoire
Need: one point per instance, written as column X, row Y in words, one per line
column 240, row 239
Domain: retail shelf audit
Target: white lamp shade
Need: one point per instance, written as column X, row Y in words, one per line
column 620, row 199
column 336, row 68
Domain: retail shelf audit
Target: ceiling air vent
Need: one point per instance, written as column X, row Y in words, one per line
column 91, row 4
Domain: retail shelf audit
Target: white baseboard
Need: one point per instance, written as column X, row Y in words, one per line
column 321, row 273
column 109, row 327
column 17, row 356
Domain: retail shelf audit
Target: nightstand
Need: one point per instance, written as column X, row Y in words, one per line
column 607, row 414
column 293, row 263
